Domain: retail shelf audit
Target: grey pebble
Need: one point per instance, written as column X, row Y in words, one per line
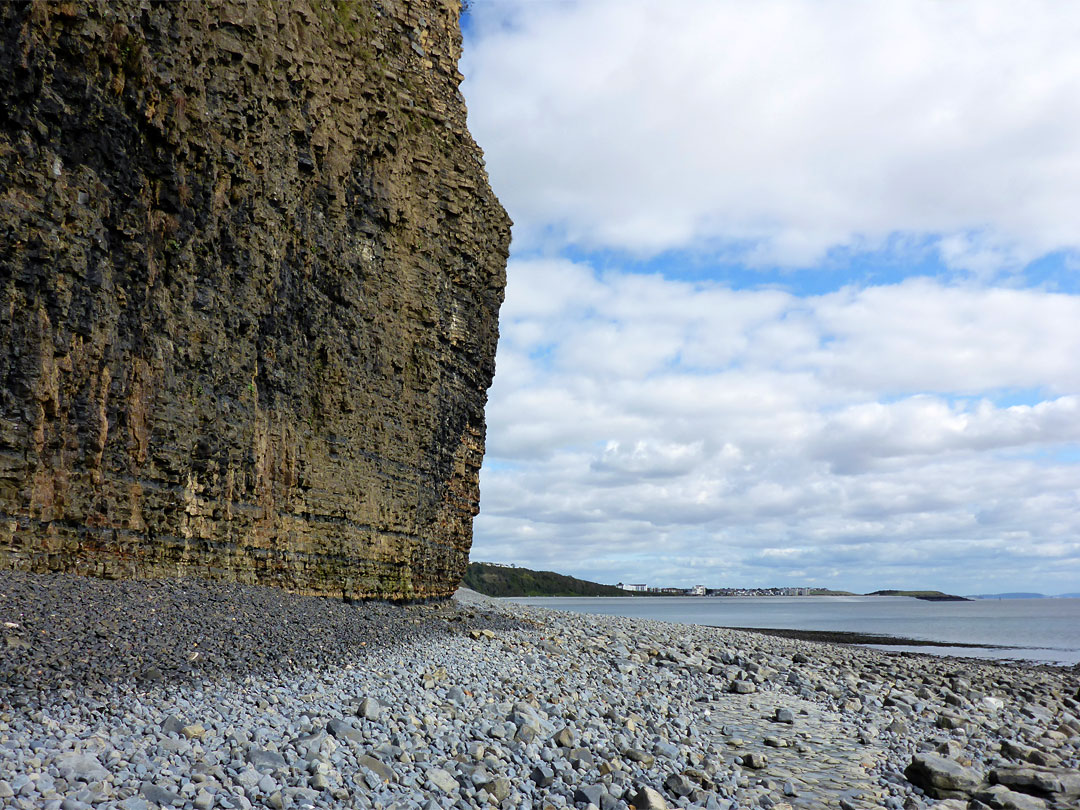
column 608, row 710
column 369, row 709
column 443, row 780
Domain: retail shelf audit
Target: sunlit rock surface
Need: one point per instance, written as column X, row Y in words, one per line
column 250, row 273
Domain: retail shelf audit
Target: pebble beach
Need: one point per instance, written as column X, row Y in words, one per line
column 159, row 694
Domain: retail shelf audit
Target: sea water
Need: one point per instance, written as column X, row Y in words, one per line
column 1045, row 630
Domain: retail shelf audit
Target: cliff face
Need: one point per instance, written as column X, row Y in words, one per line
column 250, row 273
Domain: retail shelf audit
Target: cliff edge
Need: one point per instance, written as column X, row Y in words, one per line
column 250, row 274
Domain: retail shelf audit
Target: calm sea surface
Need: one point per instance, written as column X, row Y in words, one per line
column 1020, row 629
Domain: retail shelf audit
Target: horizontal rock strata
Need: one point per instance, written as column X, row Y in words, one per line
column 250, row 272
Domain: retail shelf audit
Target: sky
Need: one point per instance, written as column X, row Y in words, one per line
column 792, row 296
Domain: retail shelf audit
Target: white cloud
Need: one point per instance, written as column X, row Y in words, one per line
column 922, row 432
column 919, row 336
column 637, row 423
column 926, row 426
column 777, row 130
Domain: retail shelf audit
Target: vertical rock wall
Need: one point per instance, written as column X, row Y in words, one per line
column 250, row 273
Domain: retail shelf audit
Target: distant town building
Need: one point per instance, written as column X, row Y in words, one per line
column 701, row 590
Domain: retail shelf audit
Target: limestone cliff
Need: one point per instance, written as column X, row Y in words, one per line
column 250, row 273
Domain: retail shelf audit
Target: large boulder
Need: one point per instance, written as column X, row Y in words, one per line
column 1001, row 798
column 1057, row 783
column 942, row 778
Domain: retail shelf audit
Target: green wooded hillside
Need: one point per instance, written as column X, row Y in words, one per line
column 502, row 580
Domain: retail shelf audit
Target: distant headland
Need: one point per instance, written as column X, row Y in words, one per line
column 497, row 579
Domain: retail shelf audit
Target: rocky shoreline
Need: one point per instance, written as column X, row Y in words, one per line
column 138, row 695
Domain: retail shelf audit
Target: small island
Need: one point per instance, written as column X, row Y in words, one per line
column 927, row 596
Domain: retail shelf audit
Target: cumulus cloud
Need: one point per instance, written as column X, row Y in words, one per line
column 902, row 413
column 642, row 427
column 777, row 131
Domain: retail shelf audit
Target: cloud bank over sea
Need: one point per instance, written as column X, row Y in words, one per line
column 792, row 297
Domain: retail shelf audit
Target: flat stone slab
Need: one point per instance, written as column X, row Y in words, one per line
column 941, row 777
column 832, row 766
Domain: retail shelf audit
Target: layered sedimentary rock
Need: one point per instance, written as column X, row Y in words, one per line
column 250, row 273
